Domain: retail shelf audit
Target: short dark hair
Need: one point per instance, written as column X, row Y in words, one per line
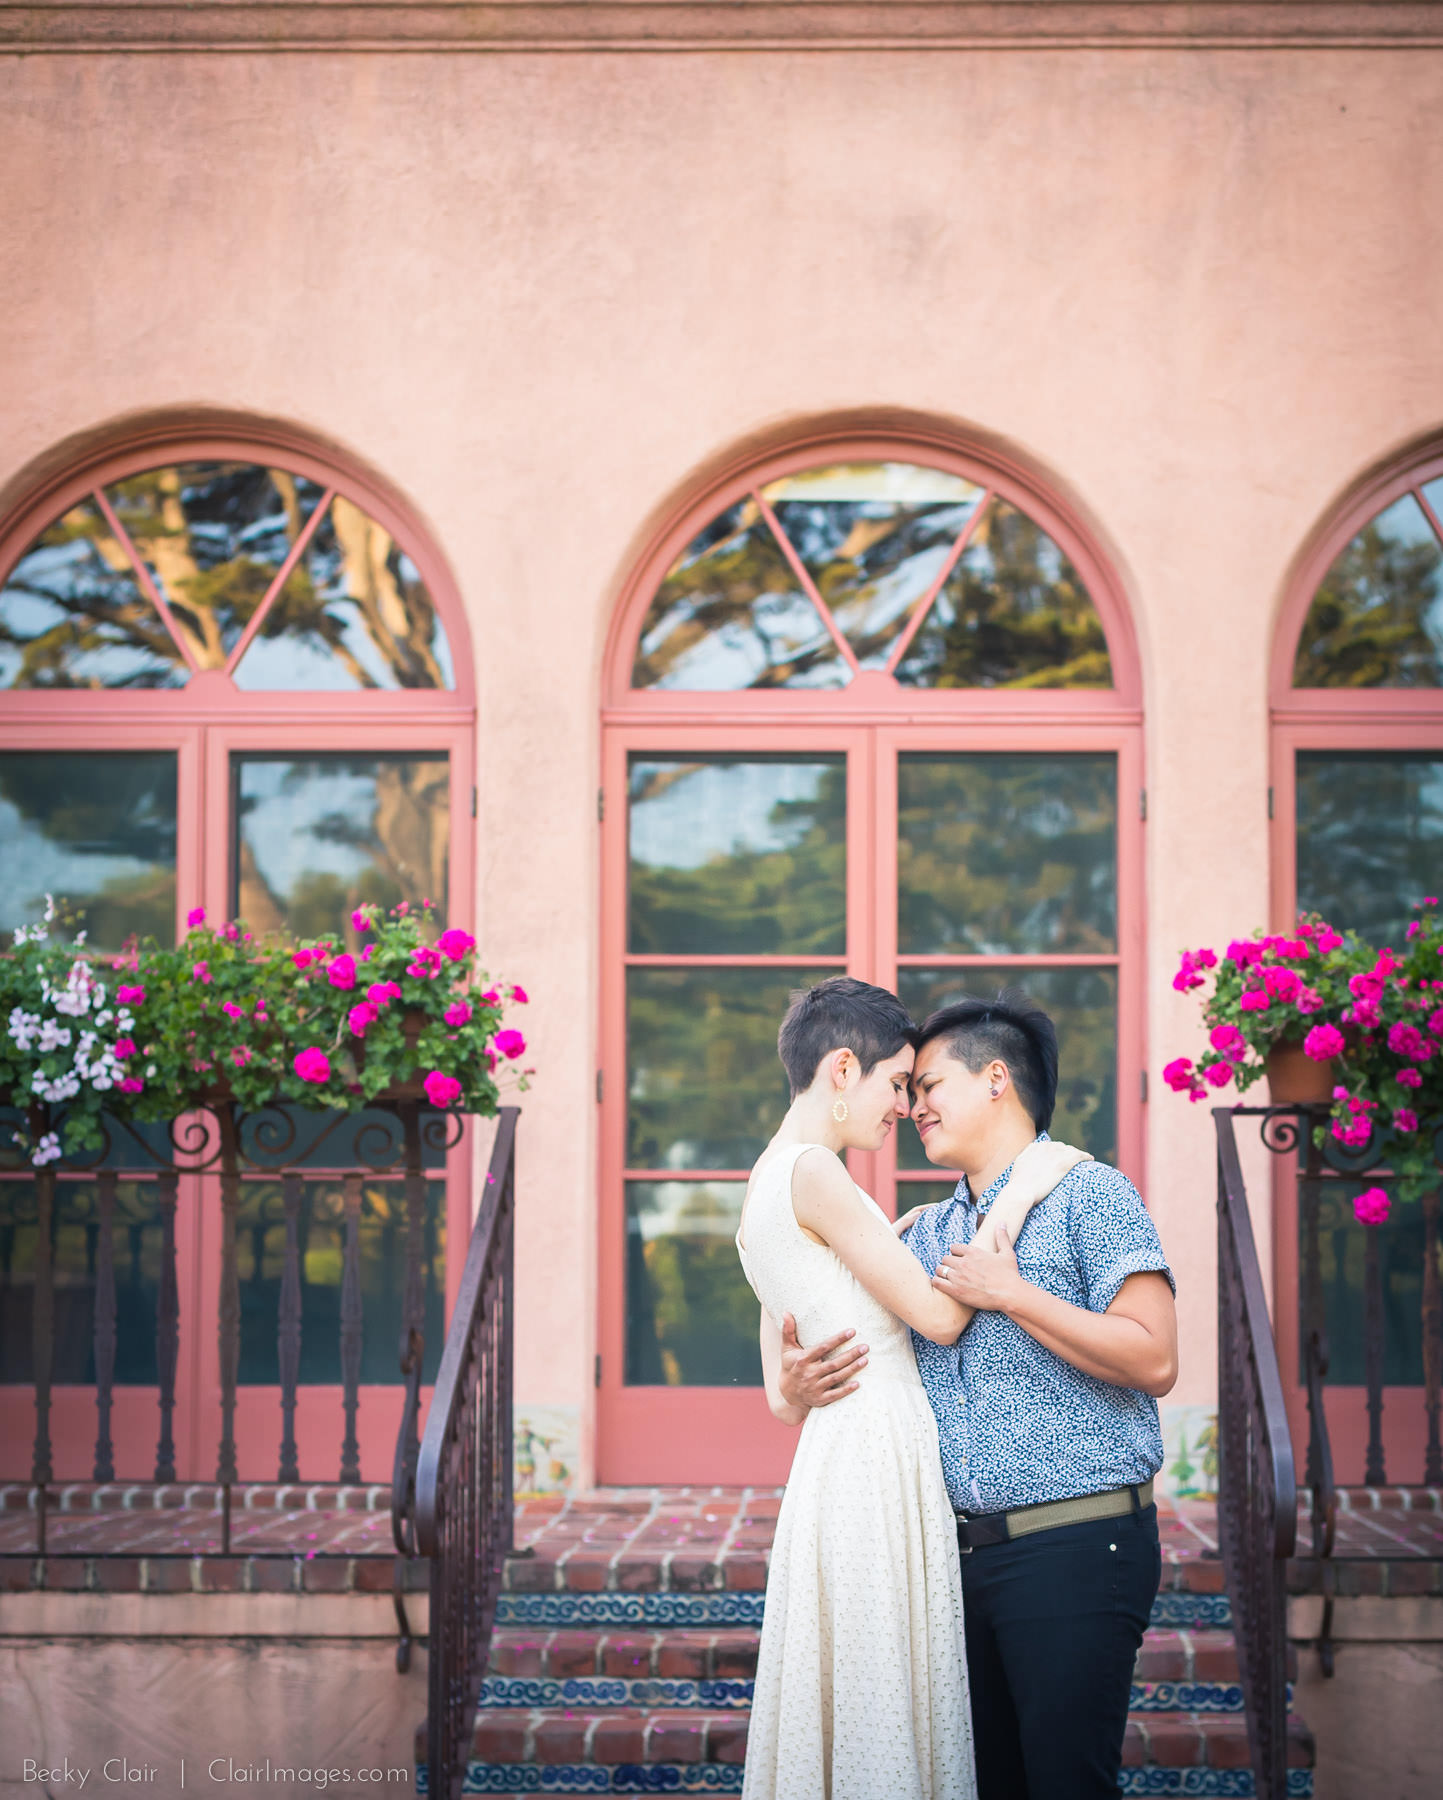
column 841, row 1013
column 1012, row 1029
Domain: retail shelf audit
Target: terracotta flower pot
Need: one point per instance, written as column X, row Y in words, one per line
column 1294, row 1079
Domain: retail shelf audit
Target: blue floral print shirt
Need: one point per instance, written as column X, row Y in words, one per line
column 1017, row 1424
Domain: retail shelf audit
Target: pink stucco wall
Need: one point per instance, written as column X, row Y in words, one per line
column 1199, row 289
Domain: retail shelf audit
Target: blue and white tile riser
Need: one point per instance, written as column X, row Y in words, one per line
column 726, row 1778
column 1170, row 1612
column 1208, row 1781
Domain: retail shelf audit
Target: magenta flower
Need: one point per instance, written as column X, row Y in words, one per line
column 426, row 965
column 303, row 958
column 457, row 1014
column 1371, row 1207
column 1323, row 1043
column 380, row 992
column 1218, row 1074
column 1178, row 1074
column 441, row 1089
column 454, row 944
column 1244, row 952
column 313, row 1065
column 1283, row 984
column 359, row 1017
column 1404, row 1119
column 518, row 994
column 131, row 1084
column 1328, row 940
column 1407, row 1040
column 1228, row 1041
column 368, row 952
column 360, row 919
column 492, row 998
column 1353, row 1132
column 135, row 996
column 201, row 973
column 231, row 1010
column 241, row 1055
column 1309, row 1000
column 232, row 934
column 1255, row 1000
column 1364, row 1013
column 125, row 1047
column 1414, row 927
column 196, row 916
column 342, row 972
column 1409, row 1077
column 510, row 1043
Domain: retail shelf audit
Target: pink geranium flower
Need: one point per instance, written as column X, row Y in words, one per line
column 131, row 1084
column 457, row 1014
column 201, row 973
column 241, row 1055
column 304, row 958
column 135, row 996
column 1323, row 1043
column 510, row 1044
column 518, row 994
column 1244, row 952
column 1283, row 984
column 1228, row 1041
column 231, row 1010
column 313, row 1065
column 1328, row 940
column 1409, row 1078
column 380, row 992
column 1407, row 1040
column 342, row 972
column 360, row 920
column 1178, row 1074
column 1218, row 1074
column 1371, row 1207
column 454, row 944
column 124, row 1047
column 1404, row 1119
column 1255, row 1000
column 441, row 1089
column 359, row 1017
column 196, row 916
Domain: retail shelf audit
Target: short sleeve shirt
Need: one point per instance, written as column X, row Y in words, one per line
column 1018, row 1425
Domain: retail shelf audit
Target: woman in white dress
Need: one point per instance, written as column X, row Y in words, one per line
column 861, row 1688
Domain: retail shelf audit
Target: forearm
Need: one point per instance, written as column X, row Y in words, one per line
column 1108, row 1346
column 788, row 1411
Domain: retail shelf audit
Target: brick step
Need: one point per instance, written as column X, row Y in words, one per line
column 1189, row 1671
column 545, row 1750
column 1174, row 1609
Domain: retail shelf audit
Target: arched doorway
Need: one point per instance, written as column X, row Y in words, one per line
column 234, row 674
column 1357, row 835
column 873, row 705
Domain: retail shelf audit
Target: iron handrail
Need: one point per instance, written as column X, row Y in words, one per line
column 1257, row 1482
column 462, row 1506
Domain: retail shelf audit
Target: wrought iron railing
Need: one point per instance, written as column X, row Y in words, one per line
column 397, row 1137
column 463, row 1484
column 1257, row 1496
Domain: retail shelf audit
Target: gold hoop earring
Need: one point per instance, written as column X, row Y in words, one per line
column 839, row 1109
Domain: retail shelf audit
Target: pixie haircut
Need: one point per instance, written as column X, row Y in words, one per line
column 1011, row 1029
column 841, row 1013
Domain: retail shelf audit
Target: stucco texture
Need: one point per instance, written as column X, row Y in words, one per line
column 1199, row 291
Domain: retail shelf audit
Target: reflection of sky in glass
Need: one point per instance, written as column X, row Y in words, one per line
column 716, row 809
column 685, row 1208
column 1433, row 494
column 284, row 804
column 1405, row 523
column 901, row 484
column 32, row 865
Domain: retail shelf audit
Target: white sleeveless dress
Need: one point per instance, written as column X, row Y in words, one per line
column 861, row 1689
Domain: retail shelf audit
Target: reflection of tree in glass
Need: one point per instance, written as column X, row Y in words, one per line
column 1370, row 838
column 691, row 1317
column 771, row 901
column 73, row 615
column 1082, row 1003
column 1374, row 620
column 1013, row 614
column 706, row 1088
column 1009, row 854
column 400, row 839
column 106, row 807
column 733, row 585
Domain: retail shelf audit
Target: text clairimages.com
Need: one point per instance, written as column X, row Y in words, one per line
column 68, row 1777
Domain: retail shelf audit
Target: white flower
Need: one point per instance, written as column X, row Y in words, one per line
column 53, row 1037
column 46, row 1151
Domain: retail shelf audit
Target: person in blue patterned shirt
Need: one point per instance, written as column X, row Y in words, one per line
column 1046, row 1410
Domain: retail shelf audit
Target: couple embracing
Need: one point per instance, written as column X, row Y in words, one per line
column 967, row 1551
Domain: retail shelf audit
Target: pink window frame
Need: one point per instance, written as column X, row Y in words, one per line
column 1335, row 719
column 204, row 722
column 717, row 1434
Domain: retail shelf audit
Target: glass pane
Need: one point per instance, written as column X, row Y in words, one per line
column 1010, row 854
column 1083, row 1006
column 1342, row 1247
column 691, row 1318
column 706, row 1088
column 1377, row 618
column 213, row 536
column 261, row 1249
column 874, row 538
column 317, row 835
column 75, row 1243
column 72, row 615
column 96, row 829
column 1013, row 614
column 733, row 857
column 731, row 614
column 354, row 613
column 1433, row 494
column 1370, row 838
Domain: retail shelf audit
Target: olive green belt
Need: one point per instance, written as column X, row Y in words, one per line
column 977, row 1529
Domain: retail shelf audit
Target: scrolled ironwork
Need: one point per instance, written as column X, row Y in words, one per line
column 1257, row 1490
column 463, row 1485
column 441, row 1131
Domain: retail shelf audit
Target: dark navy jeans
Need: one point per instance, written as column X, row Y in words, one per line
column 1054, row 1622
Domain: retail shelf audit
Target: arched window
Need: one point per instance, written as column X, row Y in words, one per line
column 234, row 674
column 1357, row 810
column 873, row 706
